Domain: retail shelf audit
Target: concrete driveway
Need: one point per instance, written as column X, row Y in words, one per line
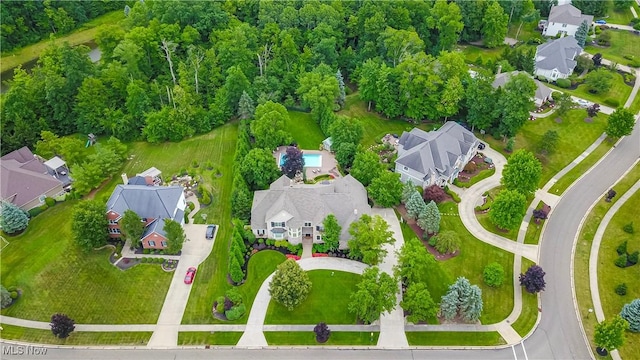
column 194, row 251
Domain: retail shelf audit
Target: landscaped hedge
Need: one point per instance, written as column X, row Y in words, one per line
column 452, row 193
column 481, row 176
column 614, row 103
column 563, row 83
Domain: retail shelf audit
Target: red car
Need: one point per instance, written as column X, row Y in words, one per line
column 191, row 273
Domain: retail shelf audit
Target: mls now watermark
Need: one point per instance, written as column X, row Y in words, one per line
column 23, row 350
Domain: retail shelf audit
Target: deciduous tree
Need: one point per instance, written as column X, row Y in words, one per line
column 268, row 128
column 259, row 169
column 376, row 293
column 494, row 28
column 62, row 326
column 132, row 227
column 418, row 302
column 446, row 20
column 366, row 166
column 533, row 279
column 493, row 274
column 293, row 162
column 609, row 334
column 368, row 235
column 515, row 103
column 332, row 231
column 434, row 193
column 620, row 123
column 415, row 263
column 508, row 209
column 386, row 189
column 522, row 172
column 175, row 236
column 89, row 224
column 290, row 284
column 12, row 218
column 481, row 102
column 548, row 143
column 599, row 81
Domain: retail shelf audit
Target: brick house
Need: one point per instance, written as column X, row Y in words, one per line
column 153, row 204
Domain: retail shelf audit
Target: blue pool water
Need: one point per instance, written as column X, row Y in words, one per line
column 312, row 160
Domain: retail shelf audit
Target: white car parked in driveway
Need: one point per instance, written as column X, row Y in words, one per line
column 583, row 103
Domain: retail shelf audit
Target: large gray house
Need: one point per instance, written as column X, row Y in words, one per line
column 556, row 59
column 435, row 157
column 295, row 212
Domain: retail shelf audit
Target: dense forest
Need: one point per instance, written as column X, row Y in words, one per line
column 27, row 22
column 176, row 68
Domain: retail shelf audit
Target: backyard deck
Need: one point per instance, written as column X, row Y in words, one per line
column 328, row 165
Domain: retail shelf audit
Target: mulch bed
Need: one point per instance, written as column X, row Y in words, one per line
column 419, row 233
column 588, row 120
column 464, row 176
column 558, row 120
column 127, row 263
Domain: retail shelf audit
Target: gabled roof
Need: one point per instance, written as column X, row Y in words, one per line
column 24, row 178
column 435, row 151
column 558, row 54
column 568, row 14
column 542, row 91
column 54, row 163
column 345, row 197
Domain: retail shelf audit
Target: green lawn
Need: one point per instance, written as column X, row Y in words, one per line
column 575, row 136
column 39, row 336
column 376, row 126
column 55, row 276
column 527, row 31
column 534, row 230
column 609, row 275
column 529, row 314
column 446, row 338
column 309, row 338
column 583, row 249
column 623, row 43
column 470, row 263
column 614, row 16
column 619, row 91
column 306, row 132
column 87, row 32
column 208, row 338
column 564, row 182
column 472, row 53
column 489, row 226
column 635, row 105
column 326, row 302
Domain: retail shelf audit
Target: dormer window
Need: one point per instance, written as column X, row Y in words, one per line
column 307, row 224
column 277, row 224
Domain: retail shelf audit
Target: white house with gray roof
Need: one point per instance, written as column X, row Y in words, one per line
column 542, row 94
column 295, row 212
column 565, row 20
column 556, row 59
column 435, row 157
column 153, row 204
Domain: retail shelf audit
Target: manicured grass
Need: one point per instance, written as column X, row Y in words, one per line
column 569, row 178
column 619, row 91
column 208, row 338
column 533, row 232
column 472, row 53
column 470, row 263
column 489, row 226
column 610, row 276
column 375, row 126
column 575, row 135
column 476, row 178
column 529, row 314
column 527, row 31
column 635, row 105
column 583, row 249
column 87, row 32
column 261, row 265
column 621, row 17
column 139, row 338
column 309, row 338
column 446, row 338
column 306, row 132
column 326, row 302
column 623, row 43
column 55, row 276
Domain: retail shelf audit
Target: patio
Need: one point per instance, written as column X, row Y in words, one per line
column 328, row 165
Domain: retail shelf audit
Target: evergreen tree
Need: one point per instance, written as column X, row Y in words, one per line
column 462, row 299
column 12, row 218
column 407, row 191
column 631, row 313
column 246, row 109
column 341, row 95
column 429, row 218
column 415, row 205
column 582, row 33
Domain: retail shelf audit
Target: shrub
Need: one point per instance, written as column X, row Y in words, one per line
column 234, row 295
column 628, row 228
column 434, row 193
column 563, row 83
column 432, row 240
column 493, row 274
column 614, row 103
column 322, row 332
column 448, row 242
column 35, row 212
column 622, row 248
column 49, row 201
column 61, row 325
column 633, row 257
column 470, row 167
column 14, row 295
column 5, row 297
column 235, row 312
column 621, row 261
column 483, row 207
column 220, row 307
column 452, row 193
column 621, row 289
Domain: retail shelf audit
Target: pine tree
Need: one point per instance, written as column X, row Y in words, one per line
column 407, row 191
column 463, row 299
column 631, row 313
column 12, row 218
column 415, row 205
column 471, row 305
column 581, row 33
column 449, row 305
column 429, row 218
column 341, row 96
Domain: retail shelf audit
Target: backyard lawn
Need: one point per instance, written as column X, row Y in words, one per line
column 208, row 338
column 529, row 314
column 619, row 92
column 39, row 336
column 623, row 43
column 445, row 338
column 473, row 53
column 326, row 302
column 306, row 132
column 574, row 136
column 309, row 338
column 581, row 259
column 55, row 276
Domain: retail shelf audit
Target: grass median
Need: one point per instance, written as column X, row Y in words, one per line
column 451, row 338
column 208, row 337
column 529, row 314
column 39, row 336
column 309, row 338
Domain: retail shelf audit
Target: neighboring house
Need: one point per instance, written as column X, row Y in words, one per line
column 542, row 95
column 295, row 212
column 565, row 20
column 556, row 59
column 153, row 204
column 435, row 157
column 25, row 181
column 326, row 143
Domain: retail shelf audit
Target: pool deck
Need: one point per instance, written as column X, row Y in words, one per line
column 329, row 165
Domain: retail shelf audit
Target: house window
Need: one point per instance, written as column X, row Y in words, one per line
column 152, row 243
column 405, row 168
column 277, row 224
column 564, row 25
column 261, row 232
column 113, row 222
column 320, row 228
column 42, row 198
column 295, row 232
column 114, row 231
column 164, row 244
column 278, row 236
column 307, row 224
column 318, row 237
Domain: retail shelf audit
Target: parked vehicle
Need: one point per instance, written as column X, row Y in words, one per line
column 600, row 22
column 191, row 274
column 583, row 103
column 211, row 229
column 481, row 146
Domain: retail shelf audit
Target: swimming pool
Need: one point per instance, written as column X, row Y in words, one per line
column 311, row 160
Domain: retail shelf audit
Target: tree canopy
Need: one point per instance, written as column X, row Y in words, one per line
column 368, row 235
column 89, row 224
column 620, row 123
column 376, row 293
column 290, row 284
column 12, row 218
column 522, row 172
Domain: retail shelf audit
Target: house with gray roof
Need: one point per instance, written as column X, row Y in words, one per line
column 153, row 204
column 25, row 181
column 542, row 95
column 435, row 157
column 295, row 212
column 556, row 59
column 565, row 20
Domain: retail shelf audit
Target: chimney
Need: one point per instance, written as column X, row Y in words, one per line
column 125, row 179
column 499, row 70
column 355, row 211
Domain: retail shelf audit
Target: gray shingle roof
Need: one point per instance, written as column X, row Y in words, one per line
column 24, row 178
column 558, row 54
column 542, row 91
column 146, row 201
column 345, row 197
column 435, row 151
column 568, row 14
